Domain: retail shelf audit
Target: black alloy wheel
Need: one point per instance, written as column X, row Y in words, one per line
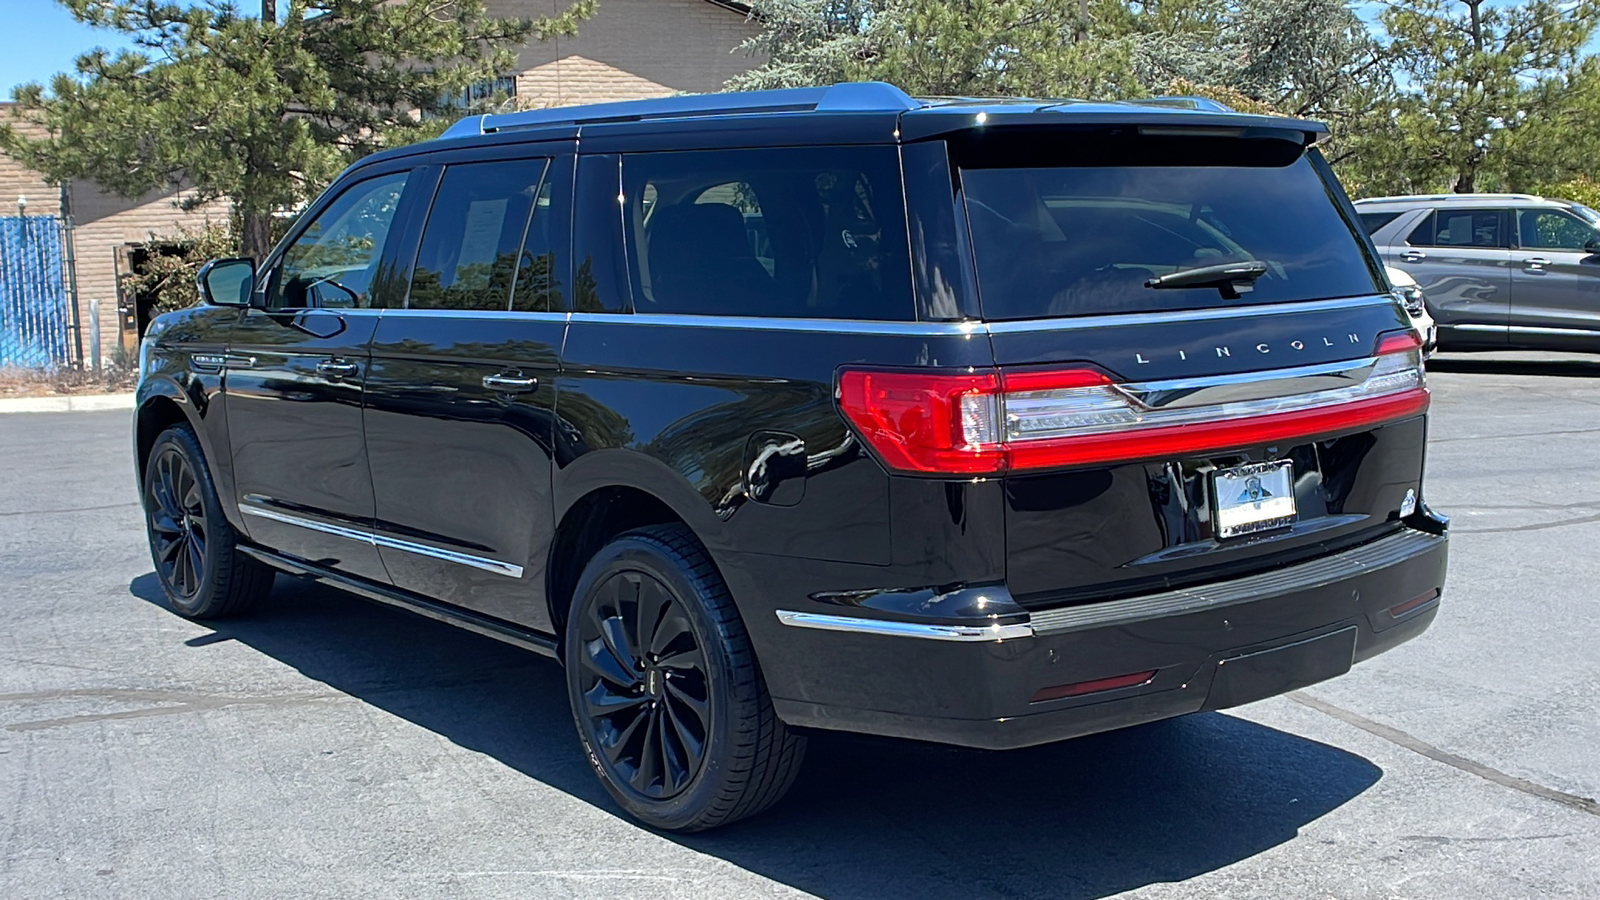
column 644, row 684
column 666, row 691
column 177, row 519
column 202, row 571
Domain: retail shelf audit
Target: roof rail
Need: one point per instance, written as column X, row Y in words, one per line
column 1477, row 196
column 871, row 96
column 1205, row 104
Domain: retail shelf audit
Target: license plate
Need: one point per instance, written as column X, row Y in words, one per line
column 1253, row 498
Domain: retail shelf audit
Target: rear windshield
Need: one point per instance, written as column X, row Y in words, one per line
column 1083, row 239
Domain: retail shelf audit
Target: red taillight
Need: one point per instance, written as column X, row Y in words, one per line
column 988, row 421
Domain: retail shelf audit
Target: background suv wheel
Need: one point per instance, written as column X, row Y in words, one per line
column 193, row 546
column 670, row 705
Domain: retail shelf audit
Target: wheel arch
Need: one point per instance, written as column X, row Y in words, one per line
column 605, row 493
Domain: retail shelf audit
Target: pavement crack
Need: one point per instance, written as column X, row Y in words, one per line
column 1537, row 526
column 1423, row 748
column 178, row 704
column 72, row 509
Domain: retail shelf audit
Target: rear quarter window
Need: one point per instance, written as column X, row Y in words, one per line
column 1083, row 234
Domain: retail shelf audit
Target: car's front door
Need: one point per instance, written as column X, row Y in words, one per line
column 297, row 362
column 461, row 396
column 1555, row 286
column 1461, row 258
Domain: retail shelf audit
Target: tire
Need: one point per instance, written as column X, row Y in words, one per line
column 650, row 692
column 194, row 548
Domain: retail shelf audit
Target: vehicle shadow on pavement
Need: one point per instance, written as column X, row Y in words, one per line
column 1559, row 368
column 868, row 818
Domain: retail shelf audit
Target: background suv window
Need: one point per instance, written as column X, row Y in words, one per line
column 1553, row 229
column 1375, row 220
column 331, row 263
column 1483, row 228
column 789, row 233
column 475, row 252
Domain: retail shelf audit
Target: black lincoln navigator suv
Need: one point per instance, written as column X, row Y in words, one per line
column 983, row 422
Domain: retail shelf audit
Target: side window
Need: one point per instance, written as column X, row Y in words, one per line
column 332, row 262
column 785, row 233
column 1373, row 221
column 1479, row 228
column 1553, row 229
column 475, row 253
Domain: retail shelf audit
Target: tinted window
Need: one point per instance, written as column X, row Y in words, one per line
column 473, row 253
column 1553, row 229
column 1373, row 221
column 1483, row 228
column 332, row 262
column 1084, row 234
column 815, row 232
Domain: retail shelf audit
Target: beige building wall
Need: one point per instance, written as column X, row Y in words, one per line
column 631, row 49
column 104, row 224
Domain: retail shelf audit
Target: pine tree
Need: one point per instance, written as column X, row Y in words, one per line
column 261, row 111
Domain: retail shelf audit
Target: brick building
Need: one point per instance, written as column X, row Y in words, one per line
column 630, row 49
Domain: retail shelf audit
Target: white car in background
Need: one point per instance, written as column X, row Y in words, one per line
column 1410, row 294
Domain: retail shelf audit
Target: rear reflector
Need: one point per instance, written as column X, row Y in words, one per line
column 1414, row 604
column 1093, row 687
column 989, row 421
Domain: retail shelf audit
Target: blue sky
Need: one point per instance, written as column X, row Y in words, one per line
column 54, row 39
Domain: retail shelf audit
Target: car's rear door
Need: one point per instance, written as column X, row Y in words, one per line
column 1158, row 434
column 1461, row 258
column 296, row 370
column 461, row 395
column 1555, row 284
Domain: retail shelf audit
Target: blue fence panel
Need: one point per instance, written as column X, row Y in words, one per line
column 35, row 319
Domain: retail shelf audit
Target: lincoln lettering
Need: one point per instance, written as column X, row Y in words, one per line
column 1226, row 351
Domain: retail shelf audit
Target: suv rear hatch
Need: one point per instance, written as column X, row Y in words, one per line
column 1198, row 371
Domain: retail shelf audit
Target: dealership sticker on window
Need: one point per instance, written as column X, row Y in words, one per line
column 1252, row 498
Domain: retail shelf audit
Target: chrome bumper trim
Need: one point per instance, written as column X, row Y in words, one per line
column 857, row 625
column 1379, row 554
column 377, row 540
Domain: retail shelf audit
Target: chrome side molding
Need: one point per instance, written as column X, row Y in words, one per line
column 378, row 540
column 858, row 625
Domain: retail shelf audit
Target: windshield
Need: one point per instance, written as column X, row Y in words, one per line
column 1083, row 240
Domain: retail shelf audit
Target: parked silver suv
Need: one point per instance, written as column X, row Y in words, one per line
column 1499, row 271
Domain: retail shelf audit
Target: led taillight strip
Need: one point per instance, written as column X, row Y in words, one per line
column 957, row 423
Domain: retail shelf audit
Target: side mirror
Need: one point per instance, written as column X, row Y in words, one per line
column 227, row 282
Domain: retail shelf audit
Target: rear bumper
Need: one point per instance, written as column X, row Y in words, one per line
column 1178, row 652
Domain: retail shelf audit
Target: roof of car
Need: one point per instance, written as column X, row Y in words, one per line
column 1416, row 200
column 919, row 117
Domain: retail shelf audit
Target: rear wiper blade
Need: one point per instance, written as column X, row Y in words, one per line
column 1232, row 279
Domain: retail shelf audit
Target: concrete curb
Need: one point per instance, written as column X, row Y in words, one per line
column 69, row 403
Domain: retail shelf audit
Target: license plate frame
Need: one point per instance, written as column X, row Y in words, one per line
column 1252, row 499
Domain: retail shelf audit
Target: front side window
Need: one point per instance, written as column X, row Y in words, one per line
column 1476, row 228
column 475, row 253
column 332, row 263
column 1554, row 229
column 1066, row 225
column 815, row 232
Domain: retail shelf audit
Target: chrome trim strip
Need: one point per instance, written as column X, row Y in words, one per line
column 1271, row 383
column 971, row 327
column 1320, row 572
column 1534, row 329
column 378, row 540
column 757, row 323
column 854, row 624
column 1190, row 315
column 1474, row 327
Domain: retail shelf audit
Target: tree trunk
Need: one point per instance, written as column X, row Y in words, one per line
column 269, row 10
column 1466, row 182
column 256, row 235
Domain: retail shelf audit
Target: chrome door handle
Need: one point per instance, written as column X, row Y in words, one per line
column 1536, row 262
column 510, row 383
column 1413, row 256
column 337, row 368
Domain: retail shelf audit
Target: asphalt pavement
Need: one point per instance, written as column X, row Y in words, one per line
column 327, row 747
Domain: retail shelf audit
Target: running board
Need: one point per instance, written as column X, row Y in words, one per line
column 525, row 638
